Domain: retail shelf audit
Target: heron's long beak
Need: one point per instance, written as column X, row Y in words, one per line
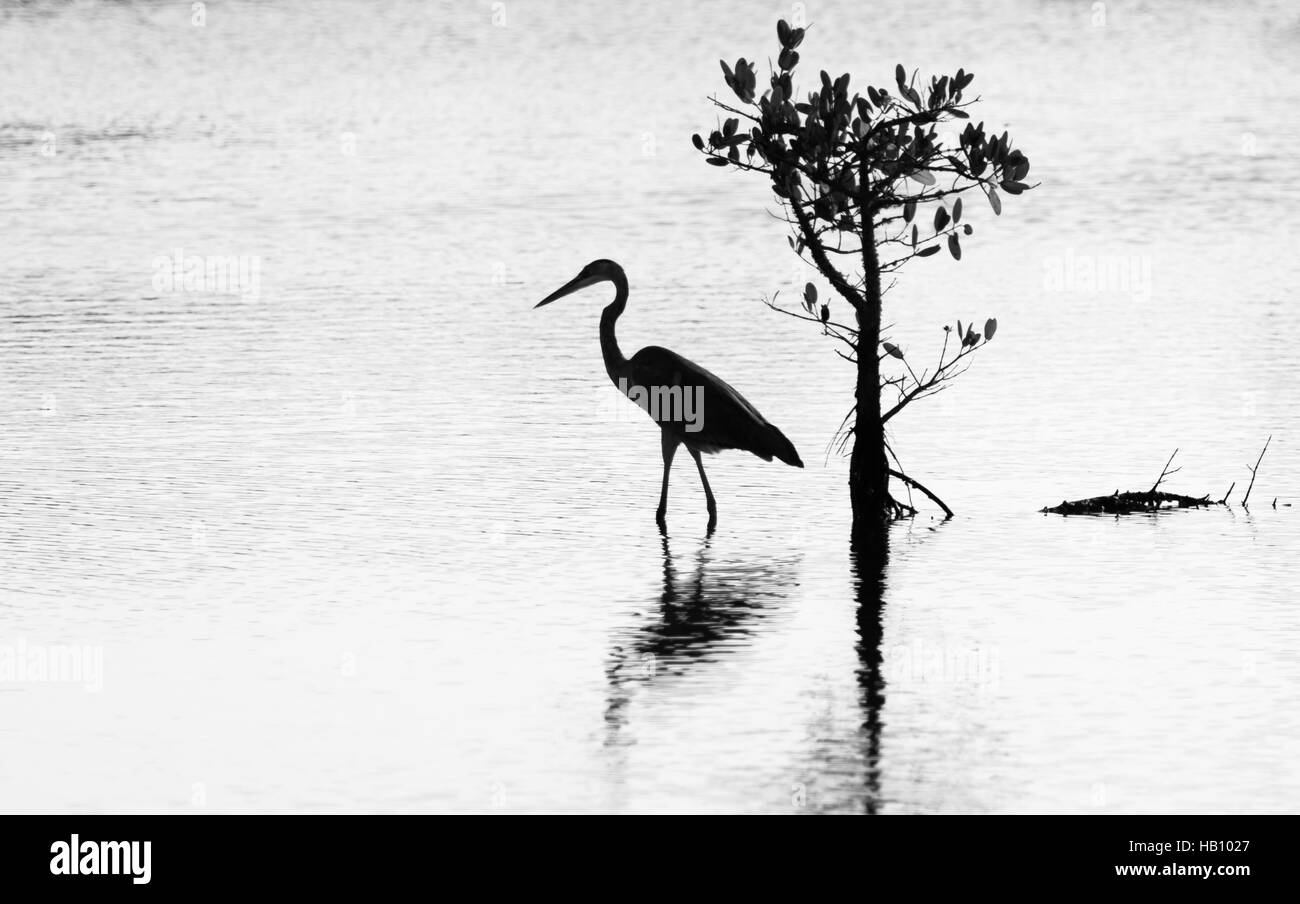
column 573, row 285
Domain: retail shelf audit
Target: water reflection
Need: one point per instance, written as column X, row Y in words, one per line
column 870, row 559
column 703, row 614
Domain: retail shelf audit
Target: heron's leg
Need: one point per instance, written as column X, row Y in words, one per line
column 670, row 449
column 708, row 492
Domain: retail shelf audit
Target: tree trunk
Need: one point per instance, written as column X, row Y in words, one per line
column 868, row 466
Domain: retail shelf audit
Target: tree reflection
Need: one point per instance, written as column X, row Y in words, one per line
column 870, row 560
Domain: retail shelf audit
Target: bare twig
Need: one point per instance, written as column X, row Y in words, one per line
column 1224, row 500
column 1254, row 470
column 930, row 385
column 1165, row 472
column 845, row 428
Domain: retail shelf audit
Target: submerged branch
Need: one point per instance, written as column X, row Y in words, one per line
column 1152, row 500
column 1128, row 503
column 912, row 482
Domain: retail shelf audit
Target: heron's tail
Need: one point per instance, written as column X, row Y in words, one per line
column 782, row 448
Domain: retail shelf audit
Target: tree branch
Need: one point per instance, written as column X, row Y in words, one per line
column 823, row 262
column 1255, row 470
column 916, row 483
column 1165, row 472
column 941, row 374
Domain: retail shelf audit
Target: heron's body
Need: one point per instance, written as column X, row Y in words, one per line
column 727, row 420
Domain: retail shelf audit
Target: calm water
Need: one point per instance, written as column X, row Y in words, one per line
column 380, row 537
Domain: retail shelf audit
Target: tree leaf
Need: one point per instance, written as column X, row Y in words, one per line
column 956, row 211
column 810, row 293
column 745, row 81
column 940, row 218
column 954, row 246
column 990, row 327
column 717, row 161
column 926, row 252
column 909, row 209
column 892, row 349
column 995, row 202
column 826, row 313
column 1012, row 187
column 697, row 141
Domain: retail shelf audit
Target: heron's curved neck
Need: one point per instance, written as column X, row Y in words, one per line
column 615, row 364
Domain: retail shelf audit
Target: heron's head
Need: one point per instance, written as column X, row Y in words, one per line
column 595, row 272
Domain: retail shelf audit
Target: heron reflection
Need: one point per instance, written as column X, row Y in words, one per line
column 711, row 608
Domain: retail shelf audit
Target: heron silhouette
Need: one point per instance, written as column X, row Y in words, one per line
column 726, row 418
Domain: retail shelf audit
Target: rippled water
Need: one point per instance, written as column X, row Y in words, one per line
column 378, row 536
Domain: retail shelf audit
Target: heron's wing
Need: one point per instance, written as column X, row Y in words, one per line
column 727, row 419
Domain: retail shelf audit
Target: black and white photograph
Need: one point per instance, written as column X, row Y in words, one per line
column 526, row 407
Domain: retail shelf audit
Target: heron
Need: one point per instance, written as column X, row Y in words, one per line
column 727, row 419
